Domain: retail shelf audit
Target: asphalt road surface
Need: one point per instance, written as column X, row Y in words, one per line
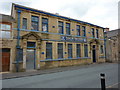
column 87, row 77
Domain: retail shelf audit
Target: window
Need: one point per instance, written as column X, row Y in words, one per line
column 60, row 50
column 78, row 50
column 45, row 24
column 5, row 27
column 97, row 33
column 78, row 30
column 24, row 26
column 5, row 34
column 60, row 27
column 85, row 50
column 5, row 31
column 48, row 50
column 93, row 34
column 69, row 50
column 101, row 49
column 31, row 44
column 68, row 28
column 84, row 31
column 34, row 22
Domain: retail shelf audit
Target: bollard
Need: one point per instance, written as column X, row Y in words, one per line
column 103, row 81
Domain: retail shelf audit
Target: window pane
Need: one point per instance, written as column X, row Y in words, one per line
column 35, row 18
column 78, row 50
column 93, row 34
column 44, row 27
column 78, row 30
column 60, row 27
column 34, row 22
column 5, row 27
column 60, row 50
column 44, row 24
column 69, row 50
column 97, row 33
column 24, row 26
column 84, row 30
column 34, row 26
column 48, row 50
column 31, row 44
column 86, row 50
column 5, row 34
column 68, row 28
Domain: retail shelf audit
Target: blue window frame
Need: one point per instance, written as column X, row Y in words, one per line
column 78, row 30
column 48, row 50
column 68, row 28
column 97, row 33
column 31, row 45
column 24, row 23
column 45, row 24
column 78, row 50
column 69, row 50
column 85, row 50
column 60, row 50
column 60, row 27
column 84, row 30
column 93, row 32
column 34, row 23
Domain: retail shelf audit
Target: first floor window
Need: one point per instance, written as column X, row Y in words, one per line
column 84, row 30
column 24, row 24
column 93, row 32
column 60, row 27
column 97, row 33
column 78, row 50
column 5, row 27
column 45, row 24
column 85, row 50
column 5, row 34
column 34, row 23
column 69, row 50
column 68, row 28
column 48, row 50
column 78, row 30
column 60, row 50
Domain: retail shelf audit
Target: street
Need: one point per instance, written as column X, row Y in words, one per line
column 88, row 77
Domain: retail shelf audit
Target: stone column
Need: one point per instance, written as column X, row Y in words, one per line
column 24, row 53
column 38, row 54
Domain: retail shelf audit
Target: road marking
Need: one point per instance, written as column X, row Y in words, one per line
column 112, row 85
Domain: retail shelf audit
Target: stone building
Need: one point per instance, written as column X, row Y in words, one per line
column 45, row 40
column 112, row 45
column 6, row 42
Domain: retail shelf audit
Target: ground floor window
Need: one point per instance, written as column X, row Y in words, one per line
column 78, row 50
column 60, row 50
column 69, row 50
column 48, row 50
column 85, row 50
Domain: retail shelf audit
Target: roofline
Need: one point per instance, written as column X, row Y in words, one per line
column 51, row 14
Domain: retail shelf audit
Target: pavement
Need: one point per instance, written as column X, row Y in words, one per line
column 9, row 75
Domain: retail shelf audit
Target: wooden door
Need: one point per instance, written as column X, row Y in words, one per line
column 5, row 60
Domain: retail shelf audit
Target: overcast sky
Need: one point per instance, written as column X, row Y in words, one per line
column 100, row 12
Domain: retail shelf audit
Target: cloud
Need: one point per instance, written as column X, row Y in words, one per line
column 99, row 12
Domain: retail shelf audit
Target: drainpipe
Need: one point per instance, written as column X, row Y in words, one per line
column 104, row 43
column 18, row 39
